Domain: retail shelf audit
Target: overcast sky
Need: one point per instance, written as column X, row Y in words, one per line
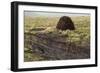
column 52, row 14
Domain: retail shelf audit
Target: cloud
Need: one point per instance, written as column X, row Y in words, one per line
column 52, row 14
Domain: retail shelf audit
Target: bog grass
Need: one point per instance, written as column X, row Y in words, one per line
column 80, row 36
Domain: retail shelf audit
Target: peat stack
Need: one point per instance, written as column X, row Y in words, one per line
column 65, row 23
